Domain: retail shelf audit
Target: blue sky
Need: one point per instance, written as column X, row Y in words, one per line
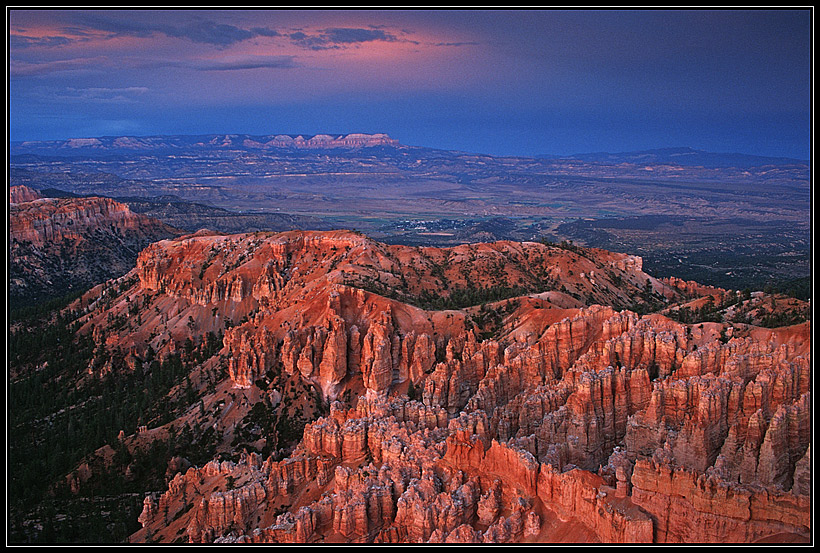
column 498, row 82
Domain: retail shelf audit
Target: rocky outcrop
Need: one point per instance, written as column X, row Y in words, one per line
column 377, row 355
column 686, row 507
column 691, row 288
column 575, row 494
column 251, row 356
column 668, row 451
column 802, row 475
column 703, row 419
column 20, row 194
column 223, row 511
column 60, row 245
column 50, row 221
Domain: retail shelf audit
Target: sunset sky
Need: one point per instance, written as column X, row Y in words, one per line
column 497, row 82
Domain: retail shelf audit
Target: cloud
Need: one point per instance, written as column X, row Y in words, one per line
column 351, row 35
column 89, row 25
column 264, row 31
column 19, row 68
column 120, row 95
column 237, row 64
column 306, row 41
column 208, row 32
column 19, row 42
column 469, row 43
column 200, row 31
column 338, row 37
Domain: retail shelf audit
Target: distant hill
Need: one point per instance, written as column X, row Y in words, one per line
column 687, row 157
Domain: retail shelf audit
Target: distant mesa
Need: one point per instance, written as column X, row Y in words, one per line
column 234, row 141
column 83, row 142
column 355, row 140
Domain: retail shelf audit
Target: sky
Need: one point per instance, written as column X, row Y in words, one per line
column 499, row 82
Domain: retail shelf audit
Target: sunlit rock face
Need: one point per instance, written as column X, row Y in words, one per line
column 550, row 414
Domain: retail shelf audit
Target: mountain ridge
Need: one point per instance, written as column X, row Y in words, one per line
column 681, row 155
column 182, row 141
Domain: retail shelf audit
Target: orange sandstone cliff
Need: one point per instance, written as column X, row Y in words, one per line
column 486, row 393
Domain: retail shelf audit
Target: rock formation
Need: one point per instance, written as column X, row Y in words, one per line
column 222, row 141
column 59, row 245
column 536, row 417
column 354, row 140
column 21, row 194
